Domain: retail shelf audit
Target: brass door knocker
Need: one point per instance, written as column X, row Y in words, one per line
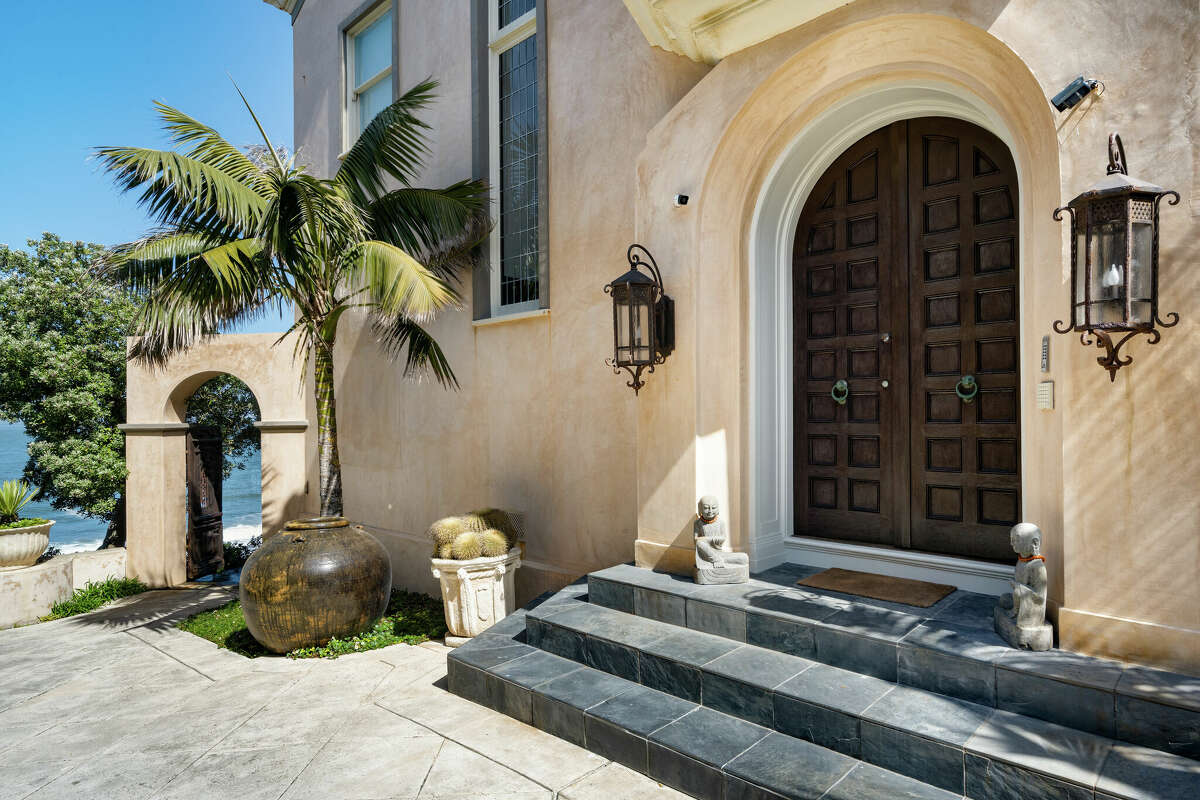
column 839, row 393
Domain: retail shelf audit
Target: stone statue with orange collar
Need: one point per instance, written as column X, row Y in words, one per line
column 715, row 560
column 1021, row 614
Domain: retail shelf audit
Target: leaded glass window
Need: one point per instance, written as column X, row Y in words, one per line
column 515, row 157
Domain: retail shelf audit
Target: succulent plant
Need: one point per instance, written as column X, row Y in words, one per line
column 467, row 546
column 500, row 520
column 493, row 542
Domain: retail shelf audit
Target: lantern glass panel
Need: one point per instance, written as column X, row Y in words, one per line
column 1107, row 254
column 621, row 313
column 641, row 340
column 1080, row 278
column 1141, row 271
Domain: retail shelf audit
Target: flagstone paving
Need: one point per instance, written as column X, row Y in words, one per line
column 120, row 704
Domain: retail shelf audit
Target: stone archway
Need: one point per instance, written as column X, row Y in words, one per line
column 155, row 436
column 815, row 91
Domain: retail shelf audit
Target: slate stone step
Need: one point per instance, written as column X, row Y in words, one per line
column 697, row 750
column 958, row 746
column 949, row 649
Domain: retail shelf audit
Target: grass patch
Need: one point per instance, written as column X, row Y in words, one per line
column 411, row 618
column 95, row 595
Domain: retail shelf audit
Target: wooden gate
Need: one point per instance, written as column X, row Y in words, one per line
column 205, row 545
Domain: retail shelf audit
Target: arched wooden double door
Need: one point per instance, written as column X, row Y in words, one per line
column 905, row 283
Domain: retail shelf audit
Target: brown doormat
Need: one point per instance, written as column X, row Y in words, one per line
column 879, row 587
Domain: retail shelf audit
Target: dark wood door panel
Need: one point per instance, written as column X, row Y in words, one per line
column 962, row 197
column 205, row 532
column 904, row 281
column 846, row 265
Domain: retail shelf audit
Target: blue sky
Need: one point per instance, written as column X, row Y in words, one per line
column 82, row 73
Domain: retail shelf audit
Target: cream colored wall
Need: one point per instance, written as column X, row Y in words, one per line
column 539, row 423
column 1120, row 515
column 155, row 437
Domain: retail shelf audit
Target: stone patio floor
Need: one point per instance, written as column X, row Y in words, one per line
column 121, row 705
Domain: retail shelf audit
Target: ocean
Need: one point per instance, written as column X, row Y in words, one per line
column 73, row 533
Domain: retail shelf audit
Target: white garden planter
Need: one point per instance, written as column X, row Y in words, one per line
column 22, row 547
column 477, row 593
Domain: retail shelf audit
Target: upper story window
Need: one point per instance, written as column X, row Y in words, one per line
column 513, row 98
column 368, row 70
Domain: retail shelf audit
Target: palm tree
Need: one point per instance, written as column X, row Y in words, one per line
column 241, row 233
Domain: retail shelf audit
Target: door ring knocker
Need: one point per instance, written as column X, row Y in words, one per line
column 839, row 393
column 966, row 388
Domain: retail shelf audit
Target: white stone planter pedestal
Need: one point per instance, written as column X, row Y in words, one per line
column 22, row 547
column 476, row 593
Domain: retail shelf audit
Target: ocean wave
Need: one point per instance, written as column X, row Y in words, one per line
column 241, row 533
column 77, row 547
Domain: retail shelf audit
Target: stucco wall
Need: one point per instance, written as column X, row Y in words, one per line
column 539, row 424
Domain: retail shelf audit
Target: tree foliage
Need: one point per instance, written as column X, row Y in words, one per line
column 62, row 376
column 226, row 403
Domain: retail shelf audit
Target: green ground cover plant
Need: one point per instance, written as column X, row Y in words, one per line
column 95, row 595
column 22, row 523
column 411, row 618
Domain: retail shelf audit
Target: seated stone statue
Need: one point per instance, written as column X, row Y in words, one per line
column 1021, row 614
column 715, row 560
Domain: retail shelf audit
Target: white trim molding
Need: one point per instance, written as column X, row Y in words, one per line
column 708, row 30
column 973, row 576
column 772, row 232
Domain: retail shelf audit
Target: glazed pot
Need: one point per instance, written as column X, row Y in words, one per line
column 22, row 547
column 318, row 578
column 476, row 593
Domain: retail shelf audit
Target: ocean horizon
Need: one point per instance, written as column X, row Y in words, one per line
column 74, row 533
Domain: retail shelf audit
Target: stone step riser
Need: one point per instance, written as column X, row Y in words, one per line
column 821, row 773
column 987, row 675
column 945, row 765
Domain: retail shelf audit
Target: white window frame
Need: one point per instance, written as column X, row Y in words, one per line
column 350, row 132
column 501, row 40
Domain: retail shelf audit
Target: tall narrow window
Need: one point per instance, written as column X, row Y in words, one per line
column 368, row 70
column 514, row 157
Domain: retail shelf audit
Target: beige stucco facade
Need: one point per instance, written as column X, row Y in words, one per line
column 539, row 424
column 155, row 438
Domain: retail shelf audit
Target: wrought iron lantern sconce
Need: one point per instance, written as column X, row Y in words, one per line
column 1114, row 262
column 643, row 318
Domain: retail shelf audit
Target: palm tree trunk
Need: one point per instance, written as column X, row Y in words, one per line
column 329, row 463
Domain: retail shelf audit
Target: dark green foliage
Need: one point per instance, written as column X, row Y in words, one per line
column 411, row 618
column 94, row 595
column 62, row 376
column 51, row 552
column 236, row 553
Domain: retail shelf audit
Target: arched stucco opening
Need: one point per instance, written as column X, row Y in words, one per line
column 816, row 90
column 155, row 443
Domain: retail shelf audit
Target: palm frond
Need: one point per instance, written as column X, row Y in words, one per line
column 427, row 220
column 401, row 337
column 209, row 147
column 308, row 220
column 396, row 282
column 184, row 193
column 394, row 143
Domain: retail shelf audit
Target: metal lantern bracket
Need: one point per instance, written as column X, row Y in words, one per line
column 1108, row 335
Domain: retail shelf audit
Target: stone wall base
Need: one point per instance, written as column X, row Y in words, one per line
column 664, row 557
column 28, row 593
column 1163, row 646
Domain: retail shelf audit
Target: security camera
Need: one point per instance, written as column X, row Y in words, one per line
column 681, row 200
column 1076, row 90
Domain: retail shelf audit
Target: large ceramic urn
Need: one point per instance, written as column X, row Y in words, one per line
column 317, row 579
